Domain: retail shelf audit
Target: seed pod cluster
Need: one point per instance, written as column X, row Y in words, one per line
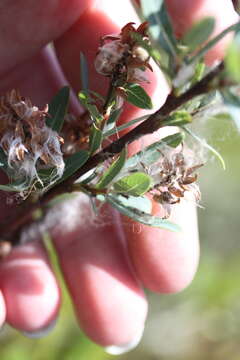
column 122, row 54
column 174, row 177
column 26, row 139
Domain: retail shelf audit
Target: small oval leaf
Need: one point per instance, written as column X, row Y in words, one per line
column 204, row 49
column 73, row 163
column 137, row 96
column 58, row 109
column 199, row 33
column 89, row 103
column 112, row 171
column 95, row 139
column 84, row 71
column 139, row 216
column 135, row 184
column 178, row 118
column 151, row 153
column 9, row 188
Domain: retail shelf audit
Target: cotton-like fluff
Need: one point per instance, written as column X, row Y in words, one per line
column 27, row 141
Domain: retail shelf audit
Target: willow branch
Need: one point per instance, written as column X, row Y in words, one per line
column 154, row 122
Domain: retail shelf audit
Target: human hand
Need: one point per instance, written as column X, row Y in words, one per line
column 104, row 266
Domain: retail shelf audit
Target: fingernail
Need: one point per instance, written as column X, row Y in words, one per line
column 122, row 349
column 40, row 333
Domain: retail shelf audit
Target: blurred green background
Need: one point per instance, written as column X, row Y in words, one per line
column 202, row 322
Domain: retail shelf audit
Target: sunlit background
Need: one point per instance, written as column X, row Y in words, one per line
column 202, row 322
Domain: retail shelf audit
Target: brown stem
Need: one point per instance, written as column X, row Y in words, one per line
column 153, row 123
column 149, row 126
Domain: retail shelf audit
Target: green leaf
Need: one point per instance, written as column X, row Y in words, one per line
column 16, row 186
column 207, row 146
column 232, row 59
column 113, row 118
column 112, row 171
column 160, row 26
column 135, row 184
column 88, row 177
column 124, row 126
column 111, row 122
column 140, row 203
column 199, row 72
column 165, row 50
column 178, row 118
column 137, row 96
column 87, row 102
column 151, row 153
column 84, row 72
column 47, row 177
column 9, row 188
column 44, row 174
column 232, row 103
column 74, row 163
column 199, row 33
column 167, row 38
column 212, row 42
column 58, row 109
column 174, row 140
column 150, row 9
column 95, row 139
column 120, row 203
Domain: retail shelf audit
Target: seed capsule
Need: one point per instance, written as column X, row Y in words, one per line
column 109, row 55
column 140, row 54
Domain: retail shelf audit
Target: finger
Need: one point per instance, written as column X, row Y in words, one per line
column 27, row 281
column 115, row 281
column 45, row 20
column 97, row 253
column 38, row 78
column 142, row 313
column 29, row 288
column 109, row 304
column 185, row 13
column 102, row 20
column 166, row 261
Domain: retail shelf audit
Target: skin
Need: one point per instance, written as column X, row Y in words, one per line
column 104, row 267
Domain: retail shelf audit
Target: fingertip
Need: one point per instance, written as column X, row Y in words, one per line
column 109, row 302
column 166, row 261
column 30, row 290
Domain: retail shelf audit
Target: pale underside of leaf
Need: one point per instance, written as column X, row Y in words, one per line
column 140, row 216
